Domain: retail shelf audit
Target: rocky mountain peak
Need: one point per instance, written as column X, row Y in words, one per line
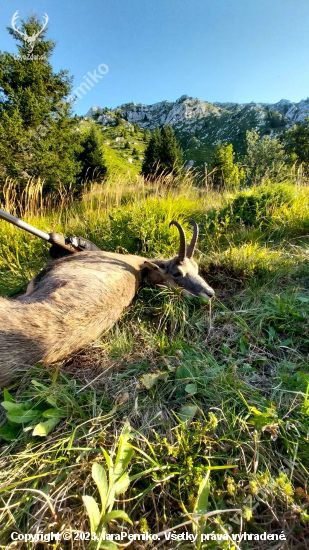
column 199, row 124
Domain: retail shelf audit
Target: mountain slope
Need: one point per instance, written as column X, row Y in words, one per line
column 199, row 125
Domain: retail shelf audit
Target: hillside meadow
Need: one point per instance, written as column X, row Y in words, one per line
column 197, row 412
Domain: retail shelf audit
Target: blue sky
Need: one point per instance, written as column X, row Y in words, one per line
column 217, row 50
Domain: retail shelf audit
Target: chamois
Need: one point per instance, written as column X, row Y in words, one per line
column 77, row 297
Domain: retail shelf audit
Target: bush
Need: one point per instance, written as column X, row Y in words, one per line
column 296, row 144
column 265, row 158
column 228, row 174
column 252, row 205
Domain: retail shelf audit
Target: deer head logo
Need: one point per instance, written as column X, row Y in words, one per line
column 29, row 39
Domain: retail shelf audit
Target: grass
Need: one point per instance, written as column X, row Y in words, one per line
column 116, row 155
column 214, row 398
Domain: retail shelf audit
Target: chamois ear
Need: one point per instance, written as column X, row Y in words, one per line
column 152, row 266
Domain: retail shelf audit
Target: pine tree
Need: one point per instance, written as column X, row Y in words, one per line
column 171, row 153
column 91, row 156
column 37, row 131
column 152, row 153
column 163, row 153
column 146, row 135
column 118, row 118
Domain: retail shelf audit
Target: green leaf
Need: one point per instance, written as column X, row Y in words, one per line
column 107, row 545
column 7, row 396
column 260, row 361
column 52, row 401
column 303, row 376
column 286, row 342
column 201, row 504
column 304, row 299
column 261, row 419
column 184, row 372
column 92, row 511
column 109, row 463
column 52, row 413
column 43, row 428
column 99, row 476
column 23, row 417
column 298, row 317
column 116, row 514
column 8, row 433
column 122, row 484
column 243, row 344
column 39, row 385
column 187, row 413
column 191, row 388
column 124, row 453
column 12, row 406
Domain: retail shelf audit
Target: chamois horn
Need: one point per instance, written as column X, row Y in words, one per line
column 191, row 247
column 182, row 246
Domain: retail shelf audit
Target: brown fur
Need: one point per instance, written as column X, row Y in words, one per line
column 76, row 298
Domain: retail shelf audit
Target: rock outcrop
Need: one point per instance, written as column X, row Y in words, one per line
column 199, row 125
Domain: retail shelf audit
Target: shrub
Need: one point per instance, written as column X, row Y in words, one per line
column 252, row 205
column 227, row 174
column 265, row 158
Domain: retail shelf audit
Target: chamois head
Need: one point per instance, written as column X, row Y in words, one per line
column 181, row 271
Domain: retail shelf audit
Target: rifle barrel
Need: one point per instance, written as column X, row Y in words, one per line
column 23, row 225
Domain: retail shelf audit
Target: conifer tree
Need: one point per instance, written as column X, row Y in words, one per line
column 163, row 153
column 171, row 153
column 152, row 153
column 118, row 118
column 37, row 132
column 91, row 156
column 146, row 135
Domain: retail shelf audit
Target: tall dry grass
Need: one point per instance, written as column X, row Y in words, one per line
column 31, row 201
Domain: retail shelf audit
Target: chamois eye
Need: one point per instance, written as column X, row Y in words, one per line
column 177, row 274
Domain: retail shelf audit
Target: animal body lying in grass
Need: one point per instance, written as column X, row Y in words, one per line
column 76, row 298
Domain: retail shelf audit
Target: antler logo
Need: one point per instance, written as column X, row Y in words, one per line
column 30, row 39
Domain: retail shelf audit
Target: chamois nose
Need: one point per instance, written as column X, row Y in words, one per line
column 208, row 292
